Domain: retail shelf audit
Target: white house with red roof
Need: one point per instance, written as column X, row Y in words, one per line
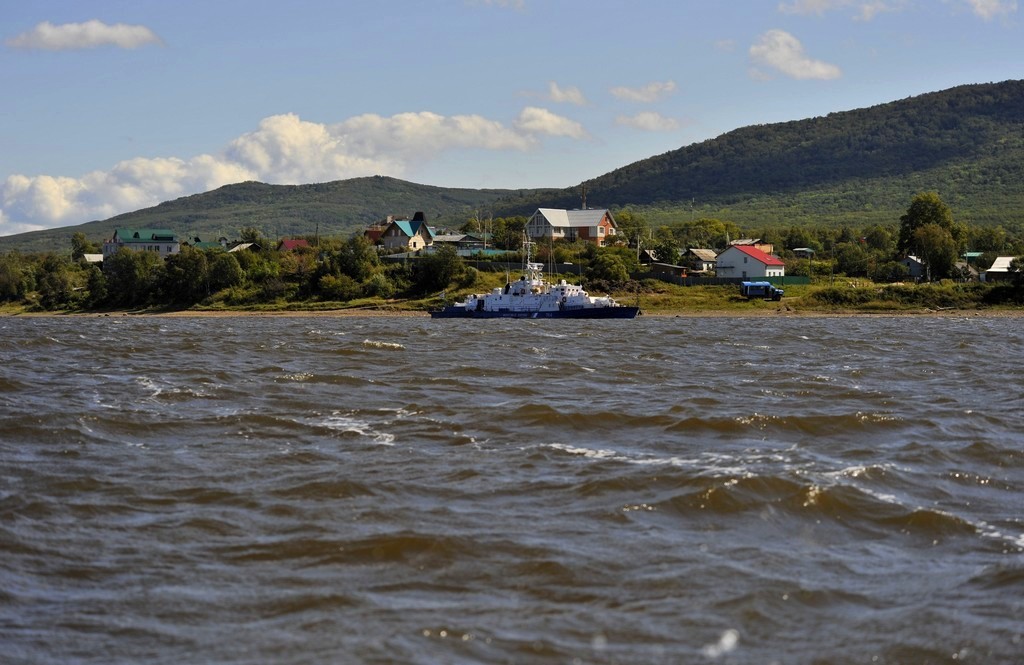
column 747, row 262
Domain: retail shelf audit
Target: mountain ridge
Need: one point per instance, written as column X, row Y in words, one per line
column 855, row 167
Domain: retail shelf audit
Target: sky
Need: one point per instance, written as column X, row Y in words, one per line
column 109, row 106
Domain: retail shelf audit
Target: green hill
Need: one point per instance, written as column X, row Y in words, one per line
column 855, row 168
column 336, row 208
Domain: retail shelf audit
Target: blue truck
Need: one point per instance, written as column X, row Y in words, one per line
column 765, row 290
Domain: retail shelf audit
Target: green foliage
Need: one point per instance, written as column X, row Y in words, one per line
column 926, row 208
column 186, row 277
column 945, row 295
column 632, row 227
column 80, row 246
column 55, row 283
column 339, row 287
column 378, row 285
column 937, row 248
column 132, row 277
column 13, row 282
column 889, row 271
column 609, row 267
column 438, row 269
column 225, row 271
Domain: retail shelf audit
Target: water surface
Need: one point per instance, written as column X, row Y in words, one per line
column 402, row 490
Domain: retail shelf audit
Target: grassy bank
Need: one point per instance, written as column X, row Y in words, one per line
column 660, row 298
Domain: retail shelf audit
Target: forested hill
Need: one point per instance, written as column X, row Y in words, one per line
column 336, row 208
column 855, row 168
column 967, row 143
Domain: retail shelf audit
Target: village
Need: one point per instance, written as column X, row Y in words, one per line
column 402, row 238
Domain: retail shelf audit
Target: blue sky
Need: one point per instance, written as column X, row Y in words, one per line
column 111, row 106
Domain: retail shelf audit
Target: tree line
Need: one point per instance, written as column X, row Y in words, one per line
column 349, row 270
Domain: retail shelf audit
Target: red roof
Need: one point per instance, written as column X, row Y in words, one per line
column 291, row 245
column 754, row 253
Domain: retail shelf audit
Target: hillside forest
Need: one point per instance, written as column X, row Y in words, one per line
column 347, row 272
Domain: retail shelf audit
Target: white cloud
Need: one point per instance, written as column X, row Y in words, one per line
column 533, row 120
column 283, row 149
column 91, row 34
column 649, row 122
column 651, row 92
column 781, row 51
column 570, row 95
column 989, row 9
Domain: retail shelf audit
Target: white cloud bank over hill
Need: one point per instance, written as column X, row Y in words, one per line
column 284, row 149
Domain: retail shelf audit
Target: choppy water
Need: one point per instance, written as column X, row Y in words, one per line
column 396, row 490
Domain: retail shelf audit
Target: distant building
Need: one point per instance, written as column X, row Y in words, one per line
column 756, row 243
column 595, row 226
column 291, row 244
column 408, row 234
column 162, row 241
column 999, row 270
column 916, row 269
column 700, row 260
column 745, row 261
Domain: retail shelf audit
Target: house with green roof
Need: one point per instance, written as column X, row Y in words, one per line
column 163, row 241
column 410, row 235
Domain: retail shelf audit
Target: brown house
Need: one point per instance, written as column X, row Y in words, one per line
column 596, row 226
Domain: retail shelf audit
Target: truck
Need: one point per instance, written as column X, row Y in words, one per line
column 765, row 290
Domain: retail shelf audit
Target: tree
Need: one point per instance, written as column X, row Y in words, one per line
column 631, row 227
column 851, row 259
column 225, row 271
column 186, row 277
column 937, row 248
column 666, row 251
column 609, row 267
column 439, row 268
column 80, row 246
column 56, row 286
column 927, row 208
column 12, row 278
column 132, row 277
column 1016, row 269
column 252, row 234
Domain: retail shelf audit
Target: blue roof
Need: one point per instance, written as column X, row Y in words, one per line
column 412, row 228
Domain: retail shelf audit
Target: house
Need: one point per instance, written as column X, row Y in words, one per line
column 803, row 252
column 162, row 241
column 916, row 269
column 410, row 235
column 756, row 243
column 242, row 246
column 999, row 270
column 461, row 241
column 291, row 244
column 700, row 260
column 746, row 261
column 198, row 243
column 596, row 226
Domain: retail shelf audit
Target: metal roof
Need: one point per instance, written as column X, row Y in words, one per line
column 704, row 254
column 573, row 218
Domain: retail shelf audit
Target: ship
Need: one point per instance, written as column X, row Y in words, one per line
column 533, row 297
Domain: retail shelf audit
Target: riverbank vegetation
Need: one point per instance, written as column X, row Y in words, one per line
column 849, row 269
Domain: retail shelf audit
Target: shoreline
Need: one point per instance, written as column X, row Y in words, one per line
column 681, row 314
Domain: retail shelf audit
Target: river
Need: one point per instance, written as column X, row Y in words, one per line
column 405, row 490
